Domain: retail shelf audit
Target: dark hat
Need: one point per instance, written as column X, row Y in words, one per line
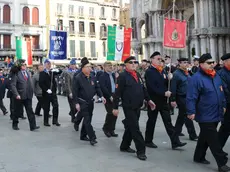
column 182, row 59
column 72, row 62
column 84, row 62
column 156, row 53
column 167, row 57
column 129, row 58
column 225, row 57
column 144, row 60
column 205, row 57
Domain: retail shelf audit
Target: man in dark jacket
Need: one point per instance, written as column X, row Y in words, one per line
column 108, row 84
column 22, row 89
column 206, row 104
column 224, row 73
column 132, row 92
column 84, row 88
column 2, row 92
column 157, row 86
column 49, row 92
column 179, row 85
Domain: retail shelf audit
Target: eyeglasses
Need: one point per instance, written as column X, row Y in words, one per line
column 23, row 64
column 159, row 59
column 209, row 63
column 133, row 62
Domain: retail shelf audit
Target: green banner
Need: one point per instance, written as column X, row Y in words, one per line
column 19, row 47
column 111, row 43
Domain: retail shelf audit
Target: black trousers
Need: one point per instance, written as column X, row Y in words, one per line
column 110, row 120
column 132, row 131
column 2, row 107
column 209, row 138
column 38, row 106
column 11, row 108
column 27, row 103
column 182, row 118
column 73, row 110
column 46, row 101
column 224, row 130
column 151, row 123
column 86, row 113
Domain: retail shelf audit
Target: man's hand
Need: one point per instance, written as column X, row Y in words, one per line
column 168, row 93
column 78, row 107
column 111, row 99
column 103, row 100
column 173, row 104
column 224, row 110
column 18, row 97
column 115, row 112
column 152, row 105
column 192, row 117
column 49, row 91
column 71, row 95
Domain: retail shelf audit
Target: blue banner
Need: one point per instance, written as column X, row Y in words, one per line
column 58, row 45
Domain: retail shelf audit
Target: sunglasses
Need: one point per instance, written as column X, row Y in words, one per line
column 209, row 63
column 133, row 62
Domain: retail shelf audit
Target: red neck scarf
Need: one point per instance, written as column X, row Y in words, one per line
column 211, row 73
column 185, row 71
column 227, row 67
column 133, row 73
column 159, row 68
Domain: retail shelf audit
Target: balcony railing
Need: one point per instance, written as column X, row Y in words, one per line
column 81, row 34
column 114, row 19
column 102, row 17
column 92, row 34
column 5, row 46
column 71, row 15
column 59, row 13
column 103, row 35
column 81, row 16
column 72, row 32
column 36, row 47
column 92, row 17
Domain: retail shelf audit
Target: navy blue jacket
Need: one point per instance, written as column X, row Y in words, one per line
column 205, row 97
column 157, row 85
column 179, row 84
column 225, row 76
column 105, row 84
column 2, row 87
column 131, row 92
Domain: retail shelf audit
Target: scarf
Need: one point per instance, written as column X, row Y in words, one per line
column 184, row 70
column 133, row 74
column 211, row 73
column 159, row 68
column 2, row 79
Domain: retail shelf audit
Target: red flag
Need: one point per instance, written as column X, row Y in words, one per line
column 29, row 53
column 127, row 42
column 174, row 33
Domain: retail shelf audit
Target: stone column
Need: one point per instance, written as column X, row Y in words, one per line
column 203, row 43
column 134, row 30
column 151, row 49
column 197, row 45
column 227, row 5
column 155, row 24
column 136, row 52
column 158, row 25
column 222, row 12
column 227, row 41
column 150, row 24
column 145, row 51
column 217, row 14
column 220, row 46
column 206, row 13
column 213, row 46
column 196, row 13
column 1, row 41
column 146, row 25
column 1, row 13
column 202, row 20
column 212, row 17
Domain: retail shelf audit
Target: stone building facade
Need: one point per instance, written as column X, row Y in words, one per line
column 208, row 26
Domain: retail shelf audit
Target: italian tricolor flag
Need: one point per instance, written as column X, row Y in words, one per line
column 118, row 43
column 24, row 50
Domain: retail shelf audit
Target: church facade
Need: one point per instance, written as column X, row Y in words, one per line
column 208, row 26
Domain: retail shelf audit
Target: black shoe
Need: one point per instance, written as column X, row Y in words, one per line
column 129, row 150
column 76, row 127
column 4, row 113
column 15, row 127
column 193, row 138
column 224, row 168
column 38, row 114
column 47, row 124
column 180, row 144
column 113, row 134
column 142, row 157
column 181, row 134
column 93, row 142
column 151, row 145
column 84, row 138
column 107, row 133
column 206, row 162
column 35, row 128
column 23, row 117
column 57, row 124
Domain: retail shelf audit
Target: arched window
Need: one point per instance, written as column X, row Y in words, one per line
column 6, row 14
column 26, row 15
column 114, row 13
column 102, row 12
column 35, row 16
